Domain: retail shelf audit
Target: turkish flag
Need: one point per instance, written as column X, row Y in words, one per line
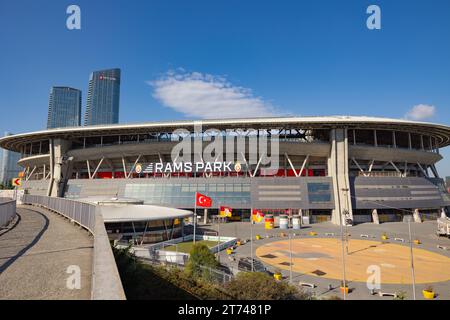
column 202, row 201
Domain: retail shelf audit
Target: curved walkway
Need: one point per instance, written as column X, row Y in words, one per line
column 36, row 252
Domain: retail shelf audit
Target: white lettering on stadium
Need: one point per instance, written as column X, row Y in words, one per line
column 187, row 167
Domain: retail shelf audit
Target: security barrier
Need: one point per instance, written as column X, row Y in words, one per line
column 106, row 283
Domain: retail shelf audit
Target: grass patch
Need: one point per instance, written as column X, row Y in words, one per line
column 186, row 247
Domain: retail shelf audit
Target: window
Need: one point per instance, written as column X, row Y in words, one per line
column 416, row 142
column 402, row 139
column 385, row 138
column 319, row 192
column 365, row 137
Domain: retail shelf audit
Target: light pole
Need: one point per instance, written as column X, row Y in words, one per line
column 346, row 213
column 343, row 253
column 251, row 235
column 412, row 260
column 218, row 237
column 290, row 257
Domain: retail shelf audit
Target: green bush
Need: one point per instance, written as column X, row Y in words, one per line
column 200, row 256
column 261, row 286
column 142, row 281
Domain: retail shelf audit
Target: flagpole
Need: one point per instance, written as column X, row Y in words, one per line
column 218, row 234
column 195, row 214
column 251, row 234
column 412, row 260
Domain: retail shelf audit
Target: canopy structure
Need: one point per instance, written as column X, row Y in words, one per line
column 134, row 213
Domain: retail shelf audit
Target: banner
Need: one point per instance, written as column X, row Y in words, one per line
column 225, row 211
column 257, row 216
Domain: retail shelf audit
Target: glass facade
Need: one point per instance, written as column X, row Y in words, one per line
column 103, row 98
column 148, row 232
column 319, row 192
column 9, row 168
column 183, row 195
column 64, row 107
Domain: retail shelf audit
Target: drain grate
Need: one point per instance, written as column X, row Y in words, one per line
column 319, row 273
column 269, row 256
column 285, row 264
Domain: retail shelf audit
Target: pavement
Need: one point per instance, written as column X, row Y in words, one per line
column 327, row 286
column 41, row 253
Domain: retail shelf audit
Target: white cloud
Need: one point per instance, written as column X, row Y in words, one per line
column 420, row 112
column 207, row 96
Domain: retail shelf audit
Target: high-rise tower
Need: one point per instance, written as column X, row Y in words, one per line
column 64, row 107
column 103, row 98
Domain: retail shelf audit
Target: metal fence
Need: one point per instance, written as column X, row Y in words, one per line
column 7, row 211
column 212, row 274
column 106, row 283
column 80, row 212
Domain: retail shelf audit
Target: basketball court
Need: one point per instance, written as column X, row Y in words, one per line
column 322, row 257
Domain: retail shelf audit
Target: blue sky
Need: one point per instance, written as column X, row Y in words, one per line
column 274, row 57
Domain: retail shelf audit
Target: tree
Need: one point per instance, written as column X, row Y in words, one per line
column 200, row 259
column 261, row 286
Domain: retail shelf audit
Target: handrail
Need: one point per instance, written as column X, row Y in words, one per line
column 7, row 211
column 106, row 283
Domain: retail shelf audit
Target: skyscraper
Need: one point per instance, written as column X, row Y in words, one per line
column 64, row 107
column 9, row 168
column 103, row 97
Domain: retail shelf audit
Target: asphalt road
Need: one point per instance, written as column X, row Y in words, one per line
column 36, row 253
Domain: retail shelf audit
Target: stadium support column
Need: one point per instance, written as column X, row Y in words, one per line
column 205, row 216
column 375, row 217
column 338, row 170
column 51, row 167
column 61, row 167
column 416, row 216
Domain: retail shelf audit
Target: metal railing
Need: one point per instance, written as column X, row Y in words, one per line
column 106, row 283
column 7, row 211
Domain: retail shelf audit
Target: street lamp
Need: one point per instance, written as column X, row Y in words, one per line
column 343, row 250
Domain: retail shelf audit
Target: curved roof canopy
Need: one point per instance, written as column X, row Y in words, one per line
column 441, row 132
column 129, row 213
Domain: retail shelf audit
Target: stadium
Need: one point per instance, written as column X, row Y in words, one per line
column 361, row 169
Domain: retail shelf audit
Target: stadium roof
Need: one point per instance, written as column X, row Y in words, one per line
column 442, row 132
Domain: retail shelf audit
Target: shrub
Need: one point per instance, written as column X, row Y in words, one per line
column 401, row 295
column 261, row 286
column 429, row 288
column 200, row 256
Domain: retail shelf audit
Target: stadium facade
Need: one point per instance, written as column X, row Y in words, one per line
column 359, row 168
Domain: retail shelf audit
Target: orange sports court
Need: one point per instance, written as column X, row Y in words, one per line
column 323, row 257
